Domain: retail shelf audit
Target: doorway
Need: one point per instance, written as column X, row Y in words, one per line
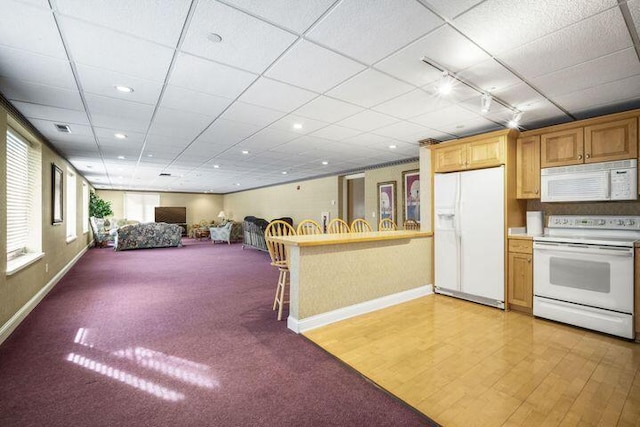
column 355, row 197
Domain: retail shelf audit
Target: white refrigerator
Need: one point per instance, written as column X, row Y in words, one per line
column 469, row 235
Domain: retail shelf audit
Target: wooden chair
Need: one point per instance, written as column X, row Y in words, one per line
column 359, row 225
column 338, row 226
column 309, row 226
column 387, row 224
column 278, row 254
column 411, row 224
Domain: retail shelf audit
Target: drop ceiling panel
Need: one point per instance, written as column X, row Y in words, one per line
column 215, row 79
column 490, row 22
column 609, row 93
column 58, row 115
column 118, row 114
column 103, row 82
column 370, row 88
column 312, row 67
column 227, row 132
column 19, row 32
column 404, row 131
column 21, row 65
column 172, row 122
column 604, row 33
column 367, row 121
column 103, row 48
column 634, row 8
column 292, row 14
column 447, row 116
column 606, row 69
column 452, row 8
column 269, row 138
column 489, row 76
column 388, row 25
column 18, row 90
column 160, row 21
column 252, row 114
column 287, row 123
column 327, row 109
column 336, row 133
column 410, row 68
column 410, row 104
column 196, row 102
column 278, row 96
column 471, row 126
column 107, row 137
column 265, row 41
column 79, row 133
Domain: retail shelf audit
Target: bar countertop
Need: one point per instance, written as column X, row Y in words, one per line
column 346, row 238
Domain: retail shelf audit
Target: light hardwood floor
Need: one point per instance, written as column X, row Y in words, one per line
column 463, row 364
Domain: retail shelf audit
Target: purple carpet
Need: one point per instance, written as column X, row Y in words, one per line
column 177, row 337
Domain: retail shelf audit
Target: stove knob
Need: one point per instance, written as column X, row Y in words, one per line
column 620, row 222
column 630, row 222
column 602, row 222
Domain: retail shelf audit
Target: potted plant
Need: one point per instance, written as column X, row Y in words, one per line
column 98, row 207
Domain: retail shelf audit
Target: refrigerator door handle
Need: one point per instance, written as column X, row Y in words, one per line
column 458, row 234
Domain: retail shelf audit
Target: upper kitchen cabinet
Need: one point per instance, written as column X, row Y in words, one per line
column 562, row 148
column 476, row 152
column 528, row 167
column 615, row 140
column 602, row 139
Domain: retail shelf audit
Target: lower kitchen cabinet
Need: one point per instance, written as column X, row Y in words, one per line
column 636, row 308
column 520, row 275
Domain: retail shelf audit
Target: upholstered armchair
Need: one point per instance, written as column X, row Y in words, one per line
column 221, row 233
column 101, row 234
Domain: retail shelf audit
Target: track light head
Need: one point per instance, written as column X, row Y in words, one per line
column 515, row 121
column 485, row 103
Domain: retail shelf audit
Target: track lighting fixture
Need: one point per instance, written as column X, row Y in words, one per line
column 515, row 121
column 485, row 103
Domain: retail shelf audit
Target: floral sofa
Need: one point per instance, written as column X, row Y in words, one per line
column 150, row 235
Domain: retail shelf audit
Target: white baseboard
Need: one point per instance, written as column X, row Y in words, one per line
column 16, row 319
column 313, row 322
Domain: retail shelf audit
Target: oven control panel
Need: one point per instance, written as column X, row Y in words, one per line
column 604, row 222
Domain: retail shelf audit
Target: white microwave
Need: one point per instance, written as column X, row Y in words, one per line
column 590, row 182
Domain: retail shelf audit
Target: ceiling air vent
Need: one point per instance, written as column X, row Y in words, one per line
column 63, row 128
column 165, row 174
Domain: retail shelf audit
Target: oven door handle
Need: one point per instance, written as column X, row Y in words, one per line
column 583, row 249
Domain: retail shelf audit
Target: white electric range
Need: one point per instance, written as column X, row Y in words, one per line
column 584, row 272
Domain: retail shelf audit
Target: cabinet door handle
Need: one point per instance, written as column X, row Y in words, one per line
column 529, row 260
column 579, row 156
column 537, row 191
column 587, row 156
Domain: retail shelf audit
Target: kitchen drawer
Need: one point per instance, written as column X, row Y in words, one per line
column 521, row 246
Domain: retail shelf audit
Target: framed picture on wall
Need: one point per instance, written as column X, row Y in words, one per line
column 411, row 195
column 387, row 200
column 56, row 194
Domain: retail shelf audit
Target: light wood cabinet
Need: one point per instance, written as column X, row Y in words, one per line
column 482, row 153
column 599, row 142
column 520, row 275
column 615, row 140
column 562, row 148
column 450, row 159
column 528, row 167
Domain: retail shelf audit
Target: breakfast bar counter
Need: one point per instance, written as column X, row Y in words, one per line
column 337, row 276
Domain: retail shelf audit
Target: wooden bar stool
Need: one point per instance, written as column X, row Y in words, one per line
column 278, row 254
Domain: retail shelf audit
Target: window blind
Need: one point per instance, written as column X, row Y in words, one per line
column 85, row 207
column 18, row 196
column 141, row 206
column 71, row 205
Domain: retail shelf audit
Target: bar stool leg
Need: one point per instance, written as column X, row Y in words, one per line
column 281, row 288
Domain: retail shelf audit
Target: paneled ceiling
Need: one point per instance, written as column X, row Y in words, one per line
column 238, row 94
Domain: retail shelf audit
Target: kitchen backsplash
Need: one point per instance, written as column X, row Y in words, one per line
column 599, row 208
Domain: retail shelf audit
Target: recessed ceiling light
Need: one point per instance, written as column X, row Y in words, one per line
column 238, row 184
column 325, row 163
column 121, row 157
column 245, row 151
column 120, row 135
column 214, row 37
column 392, row 146
column 125, row 89
column 149, row 155
column 284, row 172
column 216, row 166
column 297, row 125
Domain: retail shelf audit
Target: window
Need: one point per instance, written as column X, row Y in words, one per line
column 71, row 205
column 24, row 202
column 85, row 207
column 141, row 206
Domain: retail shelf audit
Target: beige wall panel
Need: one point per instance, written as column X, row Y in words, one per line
column 372, row 178
column 372, row 270
column 301, row 200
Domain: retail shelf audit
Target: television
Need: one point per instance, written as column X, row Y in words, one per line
column 171, row 214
